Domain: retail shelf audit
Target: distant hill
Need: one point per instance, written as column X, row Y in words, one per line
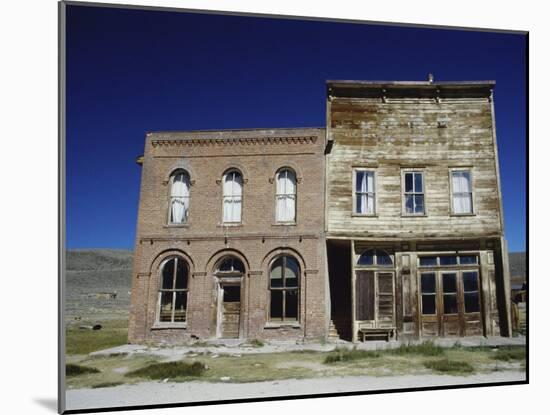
column 517, row 264
column 99, row 259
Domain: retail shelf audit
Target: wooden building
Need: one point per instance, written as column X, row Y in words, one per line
column 414, row 222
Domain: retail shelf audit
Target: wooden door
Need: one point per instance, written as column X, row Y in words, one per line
column 374, row 299
column 231, row 311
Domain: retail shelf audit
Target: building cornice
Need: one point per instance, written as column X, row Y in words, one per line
column 215, row 141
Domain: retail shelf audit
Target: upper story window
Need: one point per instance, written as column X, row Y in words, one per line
column 364, row 200
column 232, row 196
column 285, row 205
column 414, row 193
column 179, row 197
column 461, row 188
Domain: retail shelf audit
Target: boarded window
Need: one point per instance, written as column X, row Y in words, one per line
column 364, row 286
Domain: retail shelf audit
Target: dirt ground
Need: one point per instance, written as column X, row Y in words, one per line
column 150, row 393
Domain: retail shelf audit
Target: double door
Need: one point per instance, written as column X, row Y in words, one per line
column 450, row 303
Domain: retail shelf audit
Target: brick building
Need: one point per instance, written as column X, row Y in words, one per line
column 230, row 236
column 386, row 223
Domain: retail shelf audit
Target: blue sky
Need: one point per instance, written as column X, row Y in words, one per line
column 133, row 71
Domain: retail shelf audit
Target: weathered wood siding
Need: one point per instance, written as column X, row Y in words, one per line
column 418, row 133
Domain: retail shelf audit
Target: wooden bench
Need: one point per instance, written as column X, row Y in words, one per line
column 376, row 332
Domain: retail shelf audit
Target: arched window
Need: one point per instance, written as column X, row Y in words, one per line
column 284, row 279
column 375, row 257
column 230, row 265
column 232, row 196
column 179, row 197
column 285, row 205
column 173, row 290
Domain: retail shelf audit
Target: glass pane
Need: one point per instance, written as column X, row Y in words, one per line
column 360, row 182
column 468, row 259
column 449, row 304
column 360, row 203
column 370, row 204
column 470, row 281
column 471, row 302
column 276, row 307
column 409, row 204
column 447, row 260
column 276, row 275
column 449, row 283
column 382, row 258
column 427, row 283
column 408, row 182
column 366, row 258
column 418, row 186
column 226, row 264
column 419, row 204
column 292, row 271
column 181, row 306
column 428, row 260
column 428, row 304
column 168, row 274
column 181, row 275
column 166, row 306
column 370, row 181
column 291, row 305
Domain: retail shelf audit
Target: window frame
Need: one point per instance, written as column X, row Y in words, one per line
column 169, row 222
column 240, row 221
column 470, row 171
column 404, row 194
column 355, row 170
column 172, row 324
column 295, row 194
column 283, row 321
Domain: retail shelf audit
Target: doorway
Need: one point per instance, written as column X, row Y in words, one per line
column 229, row 306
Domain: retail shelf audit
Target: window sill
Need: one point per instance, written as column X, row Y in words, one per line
column 284, row 224
column 364, row 215
column 177, row 225
column 167, row 326
column 405, row 215
column 282, row 325
column 462, row 214
column 230, row 225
